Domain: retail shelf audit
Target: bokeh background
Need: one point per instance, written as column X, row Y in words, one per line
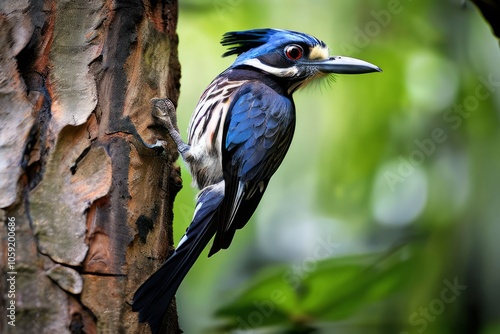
column 384, row 216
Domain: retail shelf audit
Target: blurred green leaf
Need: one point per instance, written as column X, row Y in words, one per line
column 335, row 290
column 267, row 300
column 338, row 290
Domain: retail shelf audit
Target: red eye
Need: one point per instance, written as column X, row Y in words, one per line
column 294, row 52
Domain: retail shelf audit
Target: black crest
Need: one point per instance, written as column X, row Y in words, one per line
column 242, row 41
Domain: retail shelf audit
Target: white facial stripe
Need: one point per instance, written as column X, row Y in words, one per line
column 279, row 72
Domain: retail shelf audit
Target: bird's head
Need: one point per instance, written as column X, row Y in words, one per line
column 294, row 57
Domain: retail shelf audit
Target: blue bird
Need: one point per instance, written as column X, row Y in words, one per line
column 239, row 134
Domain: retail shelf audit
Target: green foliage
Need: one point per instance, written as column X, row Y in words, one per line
column 334, row 291
column 409, row 156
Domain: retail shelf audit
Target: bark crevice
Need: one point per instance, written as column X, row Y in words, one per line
column 92, row 204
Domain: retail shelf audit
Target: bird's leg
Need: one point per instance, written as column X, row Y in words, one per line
column 164, row 112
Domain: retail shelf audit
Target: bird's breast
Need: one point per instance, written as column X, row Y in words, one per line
column 205, row 131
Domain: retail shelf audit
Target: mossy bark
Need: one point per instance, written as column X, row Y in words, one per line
column 92, row 205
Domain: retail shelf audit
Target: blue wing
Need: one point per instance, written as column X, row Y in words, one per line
column 257, row 133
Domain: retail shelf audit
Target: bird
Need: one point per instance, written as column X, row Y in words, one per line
column 238, row 135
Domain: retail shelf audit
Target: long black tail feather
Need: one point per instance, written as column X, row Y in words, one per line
column 154, row 296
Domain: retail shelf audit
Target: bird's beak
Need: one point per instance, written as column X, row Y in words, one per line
column 345, row 65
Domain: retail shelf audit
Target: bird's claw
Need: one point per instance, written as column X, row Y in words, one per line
column 159, row 146
column 165, row 114
column 164, row 109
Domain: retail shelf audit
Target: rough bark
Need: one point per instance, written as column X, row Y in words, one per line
column 92, row 205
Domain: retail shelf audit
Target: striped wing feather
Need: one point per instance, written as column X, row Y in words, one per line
column 257, row 133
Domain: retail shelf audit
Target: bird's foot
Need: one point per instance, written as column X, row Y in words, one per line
column 164, row 111
column 165, row 114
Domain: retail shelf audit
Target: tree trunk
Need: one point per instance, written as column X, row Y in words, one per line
column 86, row 206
